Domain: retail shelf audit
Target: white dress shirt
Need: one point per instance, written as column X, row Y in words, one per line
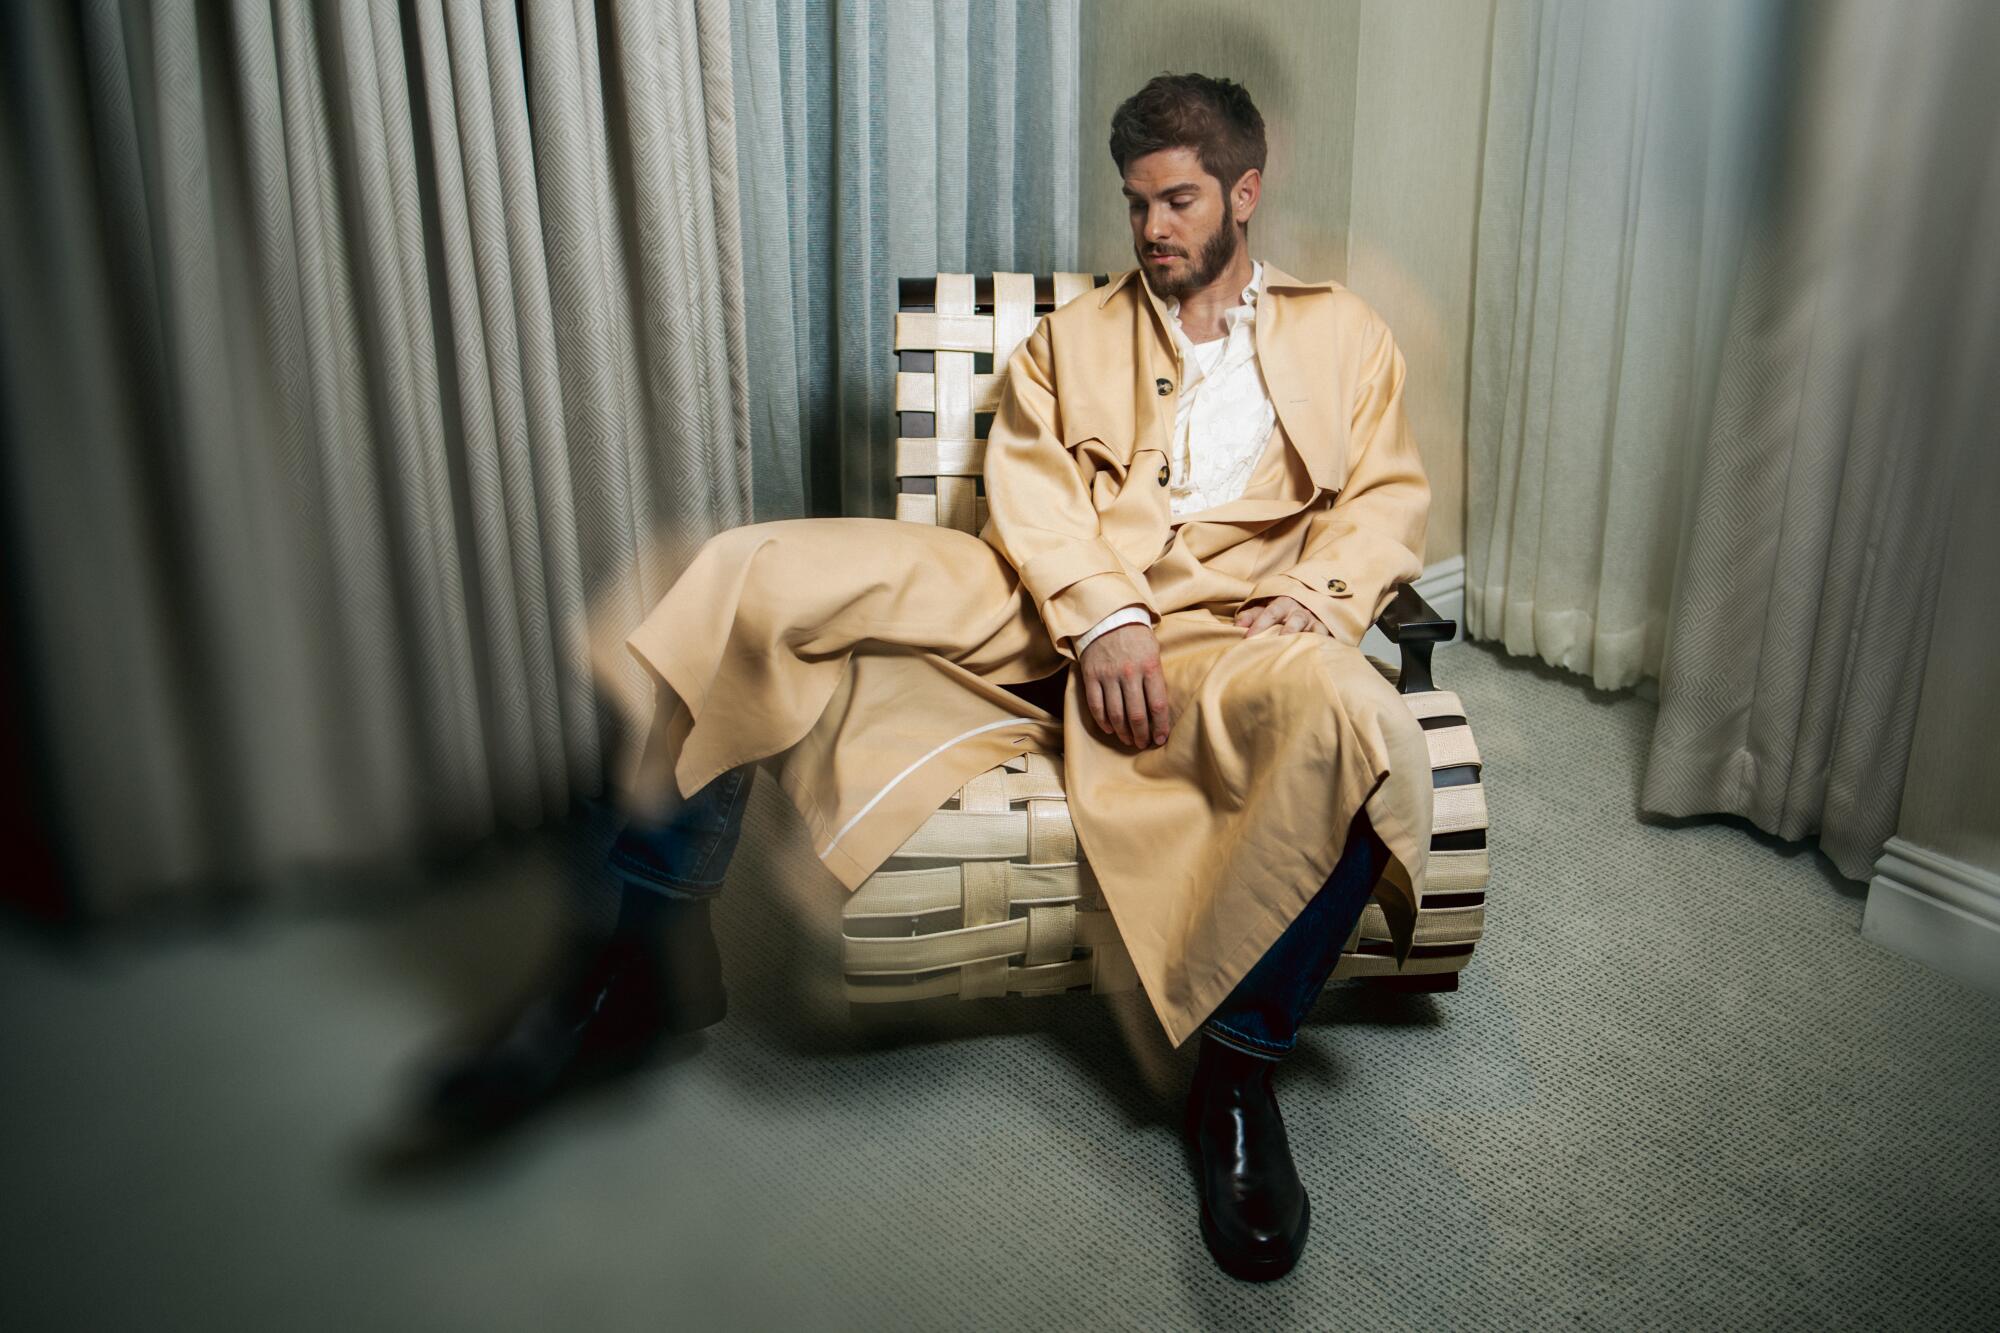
column 1222, row 422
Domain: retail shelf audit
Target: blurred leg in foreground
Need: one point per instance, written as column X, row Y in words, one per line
column 615, row 993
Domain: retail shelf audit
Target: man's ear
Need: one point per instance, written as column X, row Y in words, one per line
column 1243, row 195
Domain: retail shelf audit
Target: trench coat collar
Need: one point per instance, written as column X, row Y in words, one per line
column 1302, row 394
column 1274, row 277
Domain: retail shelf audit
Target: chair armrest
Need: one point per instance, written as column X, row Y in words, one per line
column 1410, row 619
column 1411, row 624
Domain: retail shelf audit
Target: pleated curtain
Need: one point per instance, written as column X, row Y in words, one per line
column 373, row 366
column 1621, row 145
column 370, row 367
column 885, row 139
column 362, row 356
column 1857, row 382
column 1733, row 318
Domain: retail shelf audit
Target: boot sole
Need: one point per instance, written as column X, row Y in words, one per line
column 582, row 1074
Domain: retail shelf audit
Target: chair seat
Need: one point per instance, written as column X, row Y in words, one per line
column 991, row 896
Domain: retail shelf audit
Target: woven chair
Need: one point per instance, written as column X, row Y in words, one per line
column 991, row 896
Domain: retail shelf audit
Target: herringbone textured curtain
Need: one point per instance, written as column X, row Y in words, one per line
column 1735, row 283
column 1620, row 145
column 1858, row 377
column 357, row 356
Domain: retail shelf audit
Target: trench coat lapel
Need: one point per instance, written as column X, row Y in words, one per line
column 1292, row 354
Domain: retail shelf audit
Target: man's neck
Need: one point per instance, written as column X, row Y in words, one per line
column 1202, row 312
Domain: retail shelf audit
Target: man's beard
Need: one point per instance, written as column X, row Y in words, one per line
column 1216, row 254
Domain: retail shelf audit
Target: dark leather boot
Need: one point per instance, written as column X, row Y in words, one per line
column 612, row 1000
column 1254, row 1210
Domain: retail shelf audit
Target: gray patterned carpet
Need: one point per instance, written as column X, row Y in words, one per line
column 1677, row 1091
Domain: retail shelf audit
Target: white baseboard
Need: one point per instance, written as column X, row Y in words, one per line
column 1943, row 912
column 1443, row 586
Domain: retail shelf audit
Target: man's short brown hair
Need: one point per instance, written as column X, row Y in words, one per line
column 1214, row 117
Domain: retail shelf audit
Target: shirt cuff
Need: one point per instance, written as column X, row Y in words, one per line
column 1124, row 615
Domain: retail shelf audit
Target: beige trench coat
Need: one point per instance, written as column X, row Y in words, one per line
column 863, row 659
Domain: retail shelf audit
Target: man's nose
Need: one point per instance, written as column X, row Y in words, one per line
column 1156, row 225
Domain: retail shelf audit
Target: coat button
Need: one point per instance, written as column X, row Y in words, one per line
column 1164, row 386
column 1163, row 474
column 1336, row 585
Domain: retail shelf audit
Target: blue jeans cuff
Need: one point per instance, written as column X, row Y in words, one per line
column 688, row 855
column 635, row 875
column 1263, row 1050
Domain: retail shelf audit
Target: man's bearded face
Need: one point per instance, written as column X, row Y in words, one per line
column 1182, row 235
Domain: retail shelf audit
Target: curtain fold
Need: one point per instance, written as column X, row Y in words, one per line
column 374, row 364
column 882, row 139
column 1733, row 321
column 362, row 354
column 1621, row 141
column 1858, row 377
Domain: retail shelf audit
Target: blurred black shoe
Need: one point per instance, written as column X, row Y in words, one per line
column 1254, row 1212
column 611, row 1003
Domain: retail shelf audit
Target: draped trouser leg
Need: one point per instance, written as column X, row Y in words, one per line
column 1262, row 1015
column 687, row 854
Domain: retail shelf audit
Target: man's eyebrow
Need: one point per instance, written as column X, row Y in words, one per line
column 1176, row 188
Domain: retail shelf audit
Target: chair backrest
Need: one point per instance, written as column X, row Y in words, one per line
column 954, row 335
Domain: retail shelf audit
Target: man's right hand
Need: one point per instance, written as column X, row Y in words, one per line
column 1124, row 687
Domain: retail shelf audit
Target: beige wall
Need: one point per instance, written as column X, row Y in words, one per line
column 1373, row 110
column 1951, row 796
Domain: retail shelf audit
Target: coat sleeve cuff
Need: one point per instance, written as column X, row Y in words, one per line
column 1321, row 588
column 1078, row 583
column 1072, row 560
column 1080, row 606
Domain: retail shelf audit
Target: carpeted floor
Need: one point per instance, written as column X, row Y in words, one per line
column 1676, row 1090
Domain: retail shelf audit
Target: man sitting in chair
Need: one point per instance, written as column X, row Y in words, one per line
column 1202, row 491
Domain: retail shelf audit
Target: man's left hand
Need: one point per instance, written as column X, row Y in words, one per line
column 1288, row 615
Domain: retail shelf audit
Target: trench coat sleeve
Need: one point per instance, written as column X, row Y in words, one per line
column 1371, row 538
column 1039, row 514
